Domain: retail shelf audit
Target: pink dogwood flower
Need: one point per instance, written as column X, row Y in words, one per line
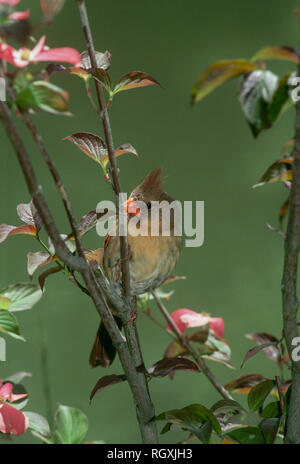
column 12, row 420
column 185, row 318
column 10, row 2
column 24, row 56
column 19, row 15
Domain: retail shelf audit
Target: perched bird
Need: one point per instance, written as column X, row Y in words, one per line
column 151, row 258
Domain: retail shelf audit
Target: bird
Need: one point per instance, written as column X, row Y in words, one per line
column 152, row 258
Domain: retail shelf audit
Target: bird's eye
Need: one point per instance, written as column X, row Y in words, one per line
column 148, row 205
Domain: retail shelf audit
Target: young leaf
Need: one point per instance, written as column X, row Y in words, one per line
column 22, row 296
column 133, row 80
column 217, row 74
column 253, row 351
column 7, row 231
column 36, row 260
column 283, row 211
column 4, row 302
column 18, row 377
column 92, row 145
column 245, row 383
column 283, row 52
column 174, row 350
column 281, row 170
column 259, row 393
column 247, row 436
column 271, row 351
column 42, row 95
column 280, row 98
column 255, row 95
column 9, row 325
column 71, row 425
column 106, row 381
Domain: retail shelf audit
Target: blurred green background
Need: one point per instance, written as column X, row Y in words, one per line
column 208, row 153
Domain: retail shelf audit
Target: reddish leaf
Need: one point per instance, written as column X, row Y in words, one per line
column 28, row 213
column 283, row 52
column 102, row 60
column 245, row 383
column 253, row 351
column 174, row 350
column 106, row 381
column 121, row 150
column 217, row 74
column 36, row 260
column 200, row 336
column 133, row 80
column 12, row 421
column 7, row 231
column 168, row 365
column 42, row 277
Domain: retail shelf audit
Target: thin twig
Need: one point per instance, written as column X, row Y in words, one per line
column 141, row 397
column 201, row 363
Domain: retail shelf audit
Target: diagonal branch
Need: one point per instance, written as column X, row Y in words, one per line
column 144, row 406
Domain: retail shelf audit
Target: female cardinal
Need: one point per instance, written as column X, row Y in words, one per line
column 151, row 257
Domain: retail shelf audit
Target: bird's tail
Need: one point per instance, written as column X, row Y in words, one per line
column 103, row 352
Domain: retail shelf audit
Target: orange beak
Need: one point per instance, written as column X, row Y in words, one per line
column 131, row 207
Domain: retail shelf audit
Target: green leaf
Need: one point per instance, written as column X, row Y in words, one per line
column 255, row 95
column 39, row 426
column 226, row 406
column 71, row 425
column 9, row 325
column 217, row 74
column 42, row 95
column 22, row 296
column 133, row 80
column 259, row 393
column 106, row 381
column 281, row 170
column 193, row 415
column 247, row 436
column 283, row 52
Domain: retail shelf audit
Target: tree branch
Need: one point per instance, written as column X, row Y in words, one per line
column 184, row 342
column 290, row 301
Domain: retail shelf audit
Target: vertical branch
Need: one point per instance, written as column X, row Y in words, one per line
column 290, row 303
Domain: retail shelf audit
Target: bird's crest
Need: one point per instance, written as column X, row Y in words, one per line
column 153, row 181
